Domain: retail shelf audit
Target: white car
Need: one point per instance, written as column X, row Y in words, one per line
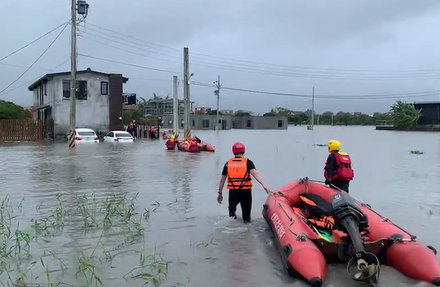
column 83, row 135
column 118, row 137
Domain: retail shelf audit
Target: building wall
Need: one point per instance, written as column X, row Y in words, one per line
column 207, row 122
column 430, row 113
column 199, row 122
column 260, row 122
column 91, row 113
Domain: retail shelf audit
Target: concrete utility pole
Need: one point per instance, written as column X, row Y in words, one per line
column 73, row 76
column 82, row 9
column 186, row 92
column 175, row 106
column 217, row 93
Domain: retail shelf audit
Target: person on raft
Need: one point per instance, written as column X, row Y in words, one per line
column 337, row 171
column 238, row 171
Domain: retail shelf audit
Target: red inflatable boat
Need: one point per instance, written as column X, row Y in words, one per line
column 315, row 225
column 204, row 146
column 188, row 145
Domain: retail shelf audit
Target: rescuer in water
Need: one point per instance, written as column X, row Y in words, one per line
column 238, row 171
column 337, row 170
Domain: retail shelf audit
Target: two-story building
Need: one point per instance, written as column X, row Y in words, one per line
column 99, row 100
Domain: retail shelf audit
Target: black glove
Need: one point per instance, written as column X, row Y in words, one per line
column 328, row 182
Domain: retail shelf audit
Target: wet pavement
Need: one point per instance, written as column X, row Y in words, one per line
column 176, row 205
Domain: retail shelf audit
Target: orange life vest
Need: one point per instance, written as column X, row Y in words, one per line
column 238, row 175
column 343, row 171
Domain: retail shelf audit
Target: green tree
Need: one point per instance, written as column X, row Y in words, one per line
column 242, row 113
column 326, row 118
column 269, row 114
column 214, row 112
column 9, row 110
column 404, row 115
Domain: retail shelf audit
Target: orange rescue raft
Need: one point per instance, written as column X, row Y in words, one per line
column 188, row 145
column 307, row 256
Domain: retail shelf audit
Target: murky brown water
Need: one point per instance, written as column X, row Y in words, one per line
column 178, row 191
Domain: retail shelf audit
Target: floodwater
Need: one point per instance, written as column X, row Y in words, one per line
column 176, row 204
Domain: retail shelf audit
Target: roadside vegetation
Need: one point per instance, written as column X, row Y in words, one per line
column 9, row 110
column 26, row 258
column 405, row 115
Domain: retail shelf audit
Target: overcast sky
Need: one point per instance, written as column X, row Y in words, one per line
column 345, row 49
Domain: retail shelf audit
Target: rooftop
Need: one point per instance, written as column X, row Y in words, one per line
column 47, row 77
column 427, row 103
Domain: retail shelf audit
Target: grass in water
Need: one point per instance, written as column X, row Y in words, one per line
column 115, row 215
column 416, row 152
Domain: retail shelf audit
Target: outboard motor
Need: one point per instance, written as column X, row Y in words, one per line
column 363, row 266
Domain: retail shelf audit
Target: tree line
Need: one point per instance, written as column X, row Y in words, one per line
column 326, row 118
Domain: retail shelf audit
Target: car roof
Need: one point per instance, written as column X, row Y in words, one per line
column 84, row 130
column 120, row 132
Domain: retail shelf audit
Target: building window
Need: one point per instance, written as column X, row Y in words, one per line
column 249, row 123
column 205, row 124
column 81, row 89
column 104, row 88
column 193, row 123
column 66, row 89
column 280, row 123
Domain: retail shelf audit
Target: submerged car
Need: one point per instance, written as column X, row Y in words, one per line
column 85, row 135
column 119, row 136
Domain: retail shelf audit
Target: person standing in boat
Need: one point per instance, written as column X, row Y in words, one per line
column 337, row 171
column 238, row 171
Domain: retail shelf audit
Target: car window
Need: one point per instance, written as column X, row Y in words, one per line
column 123, row 135
column 110, row 134
column 86, row 133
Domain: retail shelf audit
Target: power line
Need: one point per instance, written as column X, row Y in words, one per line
column 30, row 43
column 39, row 57
column 128, row 64
column 309, row 71
column 334, row 97
column 259, row 71
column 31, row 81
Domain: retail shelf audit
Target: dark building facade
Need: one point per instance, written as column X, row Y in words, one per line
column 430, row 113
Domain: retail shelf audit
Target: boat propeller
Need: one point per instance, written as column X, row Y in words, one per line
column 364, row 267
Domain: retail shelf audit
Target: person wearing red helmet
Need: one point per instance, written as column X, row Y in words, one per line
column 238, row 171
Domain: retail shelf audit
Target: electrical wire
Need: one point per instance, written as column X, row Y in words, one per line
column 333, row 97
column 30, row 43
column 35, row 79
column 39, row 57
column 128, row 64
column 258, row 71
column 285, row 70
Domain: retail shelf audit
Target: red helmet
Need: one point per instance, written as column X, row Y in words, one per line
column 238, row 148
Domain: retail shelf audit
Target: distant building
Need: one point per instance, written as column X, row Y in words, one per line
column 227, row 122
column 357, row 114
column 201, row 110
column 162, row 107
column 430, row 113
column 227, row 112
column 98, row 105
column 129, row 101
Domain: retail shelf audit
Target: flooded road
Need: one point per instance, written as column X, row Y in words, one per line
column 77, row 219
